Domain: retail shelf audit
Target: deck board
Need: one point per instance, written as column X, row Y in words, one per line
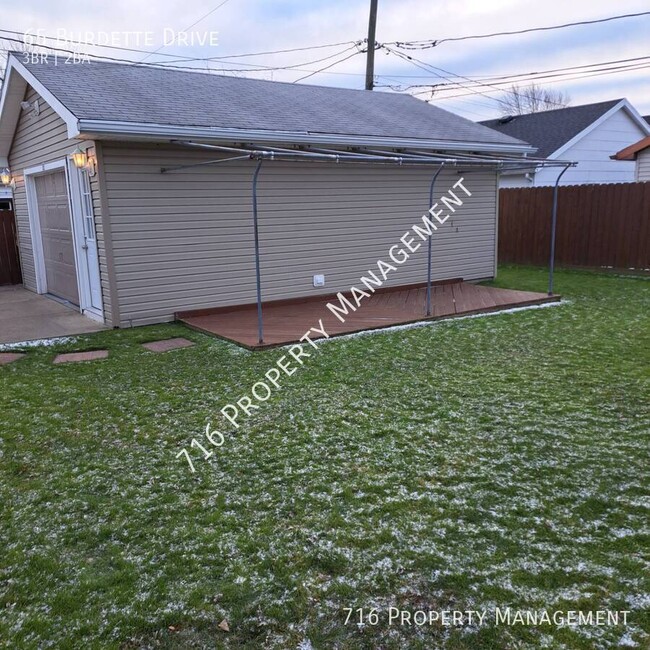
column 287, row 322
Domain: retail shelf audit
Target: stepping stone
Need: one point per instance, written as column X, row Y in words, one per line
column 72, row 357
column 9, row 357
column 167, row 344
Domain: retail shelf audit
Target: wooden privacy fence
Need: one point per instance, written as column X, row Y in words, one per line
column 597, row 225
column 9, row 259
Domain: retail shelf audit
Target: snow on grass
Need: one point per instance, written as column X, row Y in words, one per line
column 442, row 321
column 498, row 463
column 38, row 343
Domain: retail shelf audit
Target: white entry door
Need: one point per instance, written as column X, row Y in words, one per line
column 88, row 256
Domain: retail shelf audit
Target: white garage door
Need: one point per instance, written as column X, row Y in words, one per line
column 56, row 233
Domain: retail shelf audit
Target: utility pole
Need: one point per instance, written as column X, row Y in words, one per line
column 370, row 60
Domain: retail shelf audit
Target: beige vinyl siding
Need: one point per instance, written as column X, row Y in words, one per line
column 643, row 165
column 43, row 139
column 184, row 240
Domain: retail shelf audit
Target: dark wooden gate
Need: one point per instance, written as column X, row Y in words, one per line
column 9, row 259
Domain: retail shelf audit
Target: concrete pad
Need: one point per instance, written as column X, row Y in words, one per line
column 168, row 344
column 74, row 357
column 25, row 316
column 10, row 357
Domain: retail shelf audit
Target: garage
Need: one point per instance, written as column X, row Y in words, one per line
column 56, row 234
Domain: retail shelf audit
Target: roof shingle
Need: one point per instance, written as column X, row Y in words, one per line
column 549, row 130
column 130, row 93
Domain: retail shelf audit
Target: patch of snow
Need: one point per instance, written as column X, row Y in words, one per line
column 37, row 343
column 429, row 323
column 627, row 641
column 305, row 644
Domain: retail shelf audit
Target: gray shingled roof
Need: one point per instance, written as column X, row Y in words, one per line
column 128, row 93
column 549, row 130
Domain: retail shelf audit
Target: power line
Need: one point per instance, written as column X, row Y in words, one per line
column 576, row 74
column 586, row 74
column 505, row 79
column 425, row 44
column 421, row 64
column 177, row 58
column 475, row 82
column 251, row 66
column 157, row 66
column 311, row 74
column 581, row 76
column 190, row 27
column 240, row 56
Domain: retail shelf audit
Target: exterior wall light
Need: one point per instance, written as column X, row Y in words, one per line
column 83, row 160
column 5, row 176
column 79, row 158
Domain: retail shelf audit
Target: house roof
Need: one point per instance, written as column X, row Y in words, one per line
column 629, row 153
column 550, row 130
column 646, row 118
column 131, row 98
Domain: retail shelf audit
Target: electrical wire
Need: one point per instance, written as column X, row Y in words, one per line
column 512, row 77
column 190, row 68
column 426, row 44
column 473, row 81
column 579, row 77
column 628, row 64
column 221, row 4
column 241, row 56
column 177, row 57
column 311, row 74
column 421, row 64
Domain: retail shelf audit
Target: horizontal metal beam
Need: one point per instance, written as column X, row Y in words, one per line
column 201, row 164
column 376, row 156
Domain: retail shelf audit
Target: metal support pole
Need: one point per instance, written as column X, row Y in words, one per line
column 433, row 182
column 258, row 279
column 551, row 264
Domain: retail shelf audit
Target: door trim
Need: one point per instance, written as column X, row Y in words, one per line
column 76, row 219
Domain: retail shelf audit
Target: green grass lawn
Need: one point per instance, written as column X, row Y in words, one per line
column 500, row 461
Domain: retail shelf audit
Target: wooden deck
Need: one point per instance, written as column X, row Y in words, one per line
column 287, row 321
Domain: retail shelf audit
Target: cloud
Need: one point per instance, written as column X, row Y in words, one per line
column 256, row 25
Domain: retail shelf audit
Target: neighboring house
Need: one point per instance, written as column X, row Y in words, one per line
column 131, row 245
column 586, row 134
column 639, row 152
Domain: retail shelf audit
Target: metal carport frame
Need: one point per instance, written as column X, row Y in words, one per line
column 360, row 155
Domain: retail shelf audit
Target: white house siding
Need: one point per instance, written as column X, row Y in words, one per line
column 643, row 165
column 593, row 152
column 43, row 139
column 515, row 180
column 184, row 240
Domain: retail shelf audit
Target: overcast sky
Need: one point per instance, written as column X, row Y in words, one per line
column 246, row 26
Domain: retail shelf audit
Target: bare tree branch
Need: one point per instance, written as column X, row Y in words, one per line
column 521, row 100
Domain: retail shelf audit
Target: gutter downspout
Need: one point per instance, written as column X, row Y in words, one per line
column 551, row 264
column 433, row 181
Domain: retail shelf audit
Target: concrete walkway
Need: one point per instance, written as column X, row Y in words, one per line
column 25, row 316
